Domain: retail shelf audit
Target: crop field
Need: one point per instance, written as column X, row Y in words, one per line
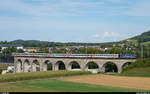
column 109, row 80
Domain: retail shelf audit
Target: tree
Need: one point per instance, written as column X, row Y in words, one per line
column 44, row 50
column 0, row 48
column 20, row 51
column 1, row 71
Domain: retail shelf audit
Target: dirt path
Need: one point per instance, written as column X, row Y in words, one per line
column 108, row 80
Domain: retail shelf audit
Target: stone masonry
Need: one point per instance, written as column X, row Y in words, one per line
column 33, row 64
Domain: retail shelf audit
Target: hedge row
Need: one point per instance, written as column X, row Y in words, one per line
column 39, row 75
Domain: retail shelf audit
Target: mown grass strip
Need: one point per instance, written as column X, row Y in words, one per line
column 39, row 75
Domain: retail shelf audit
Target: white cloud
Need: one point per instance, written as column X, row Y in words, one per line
column 111, row 35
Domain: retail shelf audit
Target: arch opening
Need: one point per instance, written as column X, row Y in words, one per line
column 110, row 67
column 92, row 65
column 74, row 65
column 35, row 66
column 61, row 65
column 47, row 66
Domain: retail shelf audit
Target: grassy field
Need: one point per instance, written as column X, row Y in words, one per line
column 53, row 85
column 39, row 75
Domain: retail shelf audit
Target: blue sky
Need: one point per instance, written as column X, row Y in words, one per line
column 73, row 20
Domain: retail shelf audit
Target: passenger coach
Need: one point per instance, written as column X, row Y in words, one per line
column 77, row 55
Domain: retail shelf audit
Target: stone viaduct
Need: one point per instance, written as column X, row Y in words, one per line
column 33, row 64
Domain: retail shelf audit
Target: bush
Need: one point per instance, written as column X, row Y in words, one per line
column 10, row 71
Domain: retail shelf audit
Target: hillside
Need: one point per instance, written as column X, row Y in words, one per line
column 139, row 68
column 144, row 39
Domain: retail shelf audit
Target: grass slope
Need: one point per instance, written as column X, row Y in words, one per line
column 146, row 43
column 139, row 72
column 140, row 68
column 53, row 85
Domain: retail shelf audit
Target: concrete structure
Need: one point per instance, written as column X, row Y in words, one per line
column 32, row 64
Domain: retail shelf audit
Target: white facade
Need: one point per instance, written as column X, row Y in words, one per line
column 21, row 47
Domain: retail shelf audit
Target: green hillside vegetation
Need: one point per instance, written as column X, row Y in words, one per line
column 139, row 68
column 146, row 43
column 137, row 72
column 144, row 39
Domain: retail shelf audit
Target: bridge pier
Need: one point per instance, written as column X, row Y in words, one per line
column 44, row 67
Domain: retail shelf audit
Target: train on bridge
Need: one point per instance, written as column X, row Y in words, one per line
column 130, row 56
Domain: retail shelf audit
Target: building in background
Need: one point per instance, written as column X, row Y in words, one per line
column 32, row 49
column 17, row 46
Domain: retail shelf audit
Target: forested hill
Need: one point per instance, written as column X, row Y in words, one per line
column 144, row 37
column 37, row 43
